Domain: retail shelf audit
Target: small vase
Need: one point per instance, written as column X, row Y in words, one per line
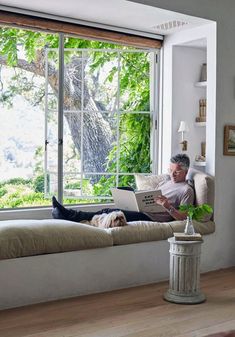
column 189, row 229
column 203, row 76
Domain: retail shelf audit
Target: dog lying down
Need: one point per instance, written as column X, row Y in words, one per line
column 109, row 220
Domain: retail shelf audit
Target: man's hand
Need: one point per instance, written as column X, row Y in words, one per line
column 163, row 201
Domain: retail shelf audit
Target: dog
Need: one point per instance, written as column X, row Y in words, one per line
column 109, row 220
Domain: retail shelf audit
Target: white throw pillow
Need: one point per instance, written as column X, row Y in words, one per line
column 150, row 182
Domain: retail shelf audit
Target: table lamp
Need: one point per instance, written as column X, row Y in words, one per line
column 183, row 128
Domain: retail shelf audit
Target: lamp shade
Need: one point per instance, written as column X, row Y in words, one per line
column 183, row 127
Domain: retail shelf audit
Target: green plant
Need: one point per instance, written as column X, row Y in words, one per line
column 196, row 212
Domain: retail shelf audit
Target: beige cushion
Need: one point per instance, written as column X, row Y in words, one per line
column 140, row 231
column 143, row 231
column 204, row 187
column 35, row 237
column 150, row 182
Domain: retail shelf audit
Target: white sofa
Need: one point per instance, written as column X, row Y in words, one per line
column 128, row 256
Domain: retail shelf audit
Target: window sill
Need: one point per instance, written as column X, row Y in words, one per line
column 45, row 212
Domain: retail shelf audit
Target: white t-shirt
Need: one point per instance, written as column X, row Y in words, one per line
column 177, row 194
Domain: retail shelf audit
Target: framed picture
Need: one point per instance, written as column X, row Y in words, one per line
column 229, row 140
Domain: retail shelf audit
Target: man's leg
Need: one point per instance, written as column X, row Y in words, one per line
column 130, row 215
column 135, row 216
column 60, row 212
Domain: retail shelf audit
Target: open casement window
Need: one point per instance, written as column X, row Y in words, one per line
column 108, row 119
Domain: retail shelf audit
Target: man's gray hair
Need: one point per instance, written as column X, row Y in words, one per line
column 181, row 159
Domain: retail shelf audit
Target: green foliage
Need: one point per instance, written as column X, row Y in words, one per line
column 16, row 181
column 196, row 212
column 73, row 186
column 38, row 183
column 3, row 191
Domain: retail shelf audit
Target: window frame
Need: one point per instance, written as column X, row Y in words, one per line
column 153, row 112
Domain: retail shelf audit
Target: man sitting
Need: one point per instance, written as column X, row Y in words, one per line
column 175, row 192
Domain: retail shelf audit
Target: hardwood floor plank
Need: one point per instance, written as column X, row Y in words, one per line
column 139, row 312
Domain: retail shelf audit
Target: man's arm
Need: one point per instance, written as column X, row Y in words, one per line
column 186, row 199
column 163, row 201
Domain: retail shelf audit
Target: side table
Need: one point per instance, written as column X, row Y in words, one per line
column 184, row 283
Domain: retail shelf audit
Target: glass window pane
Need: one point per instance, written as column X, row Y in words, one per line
column 126, row 180
column 135, row 81
column 102, row 184
column 101, row 81
column 72, row 186
column 74, row 64
column 22, row 114
column 72, row 142
column 99, row 142
column 134, row 143
column 88, row 189
column 51, row 159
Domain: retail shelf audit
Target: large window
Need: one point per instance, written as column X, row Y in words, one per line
column 106, row 133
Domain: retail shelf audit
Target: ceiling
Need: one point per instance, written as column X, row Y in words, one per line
column 115, row 13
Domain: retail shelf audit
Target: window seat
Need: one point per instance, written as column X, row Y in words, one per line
column 20, row 238
column 44, row 260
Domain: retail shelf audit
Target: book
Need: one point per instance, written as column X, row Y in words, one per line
column 139, row 201
column 187, row 237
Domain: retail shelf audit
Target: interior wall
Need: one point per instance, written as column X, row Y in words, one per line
column 172, row 88
column 223, row 13
column 186, row 68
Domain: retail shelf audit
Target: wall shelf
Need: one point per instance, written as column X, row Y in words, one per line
column 200, row 124
column 199, row 163
column 201, row 84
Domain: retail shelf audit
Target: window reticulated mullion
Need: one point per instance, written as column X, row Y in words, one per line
column 60, row 117
column 82, row 122
column 118, row 121
column 46, row 189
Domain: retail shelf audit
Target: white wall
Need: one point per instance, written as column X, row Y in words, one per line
column 223, row 249
column 171, row 87
column 187, row 64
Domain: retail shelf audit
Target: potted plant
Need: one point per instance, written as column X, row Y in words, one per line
column 194, row 213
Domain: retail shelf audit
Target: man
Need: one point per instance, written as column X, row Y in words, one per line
column 175, row 192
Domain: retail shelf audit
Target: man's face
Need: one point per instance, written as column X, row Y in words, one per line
column 176, row 172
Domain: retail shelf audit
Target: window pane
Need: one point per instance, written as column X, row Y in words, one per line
column 90, row 188
column 52, row 68
column 99, row 142
column 51, row 154
column 74, row 63
column 135, row 81
column 102, row 184
column 126, row 180
column 101, row 81
column 134, row 143
column 72, row 142
column 22, row 114
column 72, row 186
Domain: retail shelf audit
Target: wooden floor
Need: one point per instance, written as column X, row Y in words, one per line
column 135, row 312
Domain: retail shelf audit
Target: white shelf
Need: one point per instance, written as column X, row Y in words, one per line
column 199, row 163
column 201, row 84
column 200, row 124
